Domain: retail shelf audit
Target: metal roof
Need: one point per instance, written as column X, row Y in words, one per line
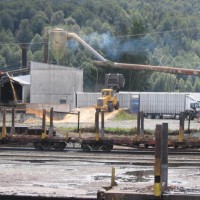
column 23, row 80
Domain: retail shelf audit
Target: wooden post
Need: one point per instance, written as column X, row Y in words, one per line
column 189, row 124
column 51, row 123
column 181, row 127
column 113, row 183
column 157, row 167
column 78, row 126
column 138, row 123
column 44, row 134
column 164, row 146
column 142, row 124
column 102, row 123
column 97, row 123
column 13, row 122
column 4, row 131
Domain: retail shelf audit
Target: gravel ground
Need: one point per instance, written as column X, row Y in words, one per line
column 75, row 177
column 74, row 174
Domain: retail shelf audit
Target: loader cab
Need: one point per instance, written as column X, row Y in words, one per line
column 107, row 92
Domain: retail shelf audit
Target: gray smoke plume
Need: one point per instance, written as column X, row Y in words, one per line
column 114, row 47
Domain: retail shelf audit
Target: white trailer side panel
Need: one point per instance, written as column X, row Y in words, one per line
column 162, row 103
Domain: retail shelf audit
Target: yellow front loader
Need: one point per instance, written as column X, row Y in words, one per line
column 108, row 101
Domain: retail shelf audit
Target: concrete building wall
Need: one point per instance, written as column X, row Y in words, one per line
column 26, row 93
column 53, row 84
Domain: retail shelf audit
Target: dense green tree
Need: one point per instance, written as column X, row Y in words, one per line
column 2, row 61
column 38, row 22
column 37, row 56
column 36, row 43
column 49, row 12
column 6, row 37
column 57, row 18
column 164, row 33
column 6, row 20
column 27, row 11
column 24, row 35
column 188, row 86
column 197, row 85
column 181, row 85
column 70, row 21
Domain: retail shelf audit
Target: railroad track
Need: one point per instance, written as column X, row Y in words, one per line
column 117, row 156
column 81, row 174
column 116, row 150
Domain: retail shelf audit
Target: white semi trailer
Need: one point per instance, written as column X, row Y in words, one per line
column 164, row 105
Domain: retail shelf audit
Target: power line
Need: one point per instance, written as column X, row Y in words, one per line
column 21, row 43
column 119, row 36
column 160, row 32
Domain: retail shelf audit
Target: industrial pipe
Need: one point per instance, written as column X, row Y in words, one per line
column 165, row 69
column 82, row 42
column 58, row 38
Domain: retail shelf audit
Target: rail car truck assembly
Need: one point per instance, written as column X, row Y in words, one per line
column 164, row 105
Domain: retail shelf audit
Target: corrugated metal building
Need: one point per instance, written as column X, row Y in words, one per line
column 53, row 84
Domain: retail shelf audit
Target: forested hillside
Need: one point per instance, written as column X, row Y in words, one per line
column 152, row 32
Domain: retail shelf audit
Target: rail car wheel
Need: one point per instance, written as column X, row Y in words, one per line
column 85, row 147
column 157, row 116
column 107, row 148
column 59, row 146
column 47, row 145
column 149, row 116
column 37, row 146
column 177, row 117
